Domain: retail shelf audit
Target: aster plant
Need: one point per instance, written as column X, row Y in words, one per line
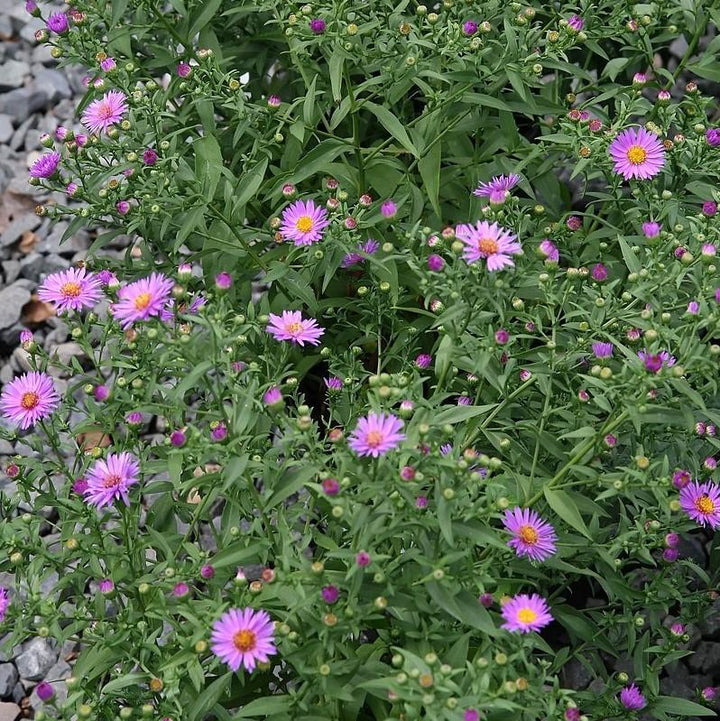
column 404, row 399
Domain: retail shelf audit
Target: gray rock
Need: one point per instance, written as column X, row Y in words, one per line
column 14, row 231
column 65, row 352
column 8, row 679
column 18, row 693
column 37, row 658
column 9, row 711
column 22, row 102
column 11, row 271
column 36, row 266
column 53, row 83
column 575, row 675
column 18, row 138
column 710, row 625
column 6, row 128
column 12, row 300
column 13, row 74
column 41, row 54
column 706, row 657
column 6, row 448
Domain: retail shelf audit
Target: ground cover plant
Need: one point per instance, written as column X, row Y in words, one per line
column 405, row 394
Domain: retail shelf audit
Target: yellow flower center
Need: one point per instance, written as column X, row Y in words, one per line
column 29, row 400
column 293, row 328
column 304, row 223
column 111, row 481
column 704, row 504
column 528, row 534
column 487, row 245
column 70, row 289
column 527, row 615
column 244, row 640
column 374, row 439
column 636, row 154
column 142, row 301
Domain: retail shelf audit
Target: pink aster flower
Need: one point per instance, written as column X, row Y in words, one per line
column 109, row 479
column 388, row 209
column 142, row 299
column 602, row 350
column 576, row 23
column 105, row 112
column 58, row 23
column 45, row 166
column 637, row 153
column 491, row 242
column 632, row 699
column 293, row 327
column 4, row 603
column 423, row 361
column 376, row 434
column 654, row 362
column 532, row 536
column 701, row 502
column 525, row 613
column 71, row 289
column 303, row 222
column 681, row 478
column 29, row 399
column 548, row 249
column 498, row 188
column 108, row 64
column 273, row 397
column 242, row 637
column 651, row 229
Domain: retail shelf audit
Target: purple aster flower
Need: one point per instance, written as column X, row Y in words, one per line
column 177, row 438
column 58, row 23
column 651, row 229
column 424, row 360
column 498, row 188
column 632, row 699
column 4, row 603
column 150, row 156
column 576, row 23
column 435, row 263
column 469, row 27
column 574, row 223
column 333, row 383
column 693, row 307
column 549, row 250
column 709, row 208
column 532, row 537
column 670, row 555
column 102, row 114
column 701, row 502
column 28, row 399
column 44, row 691
column 291, row 326
column 369, row 247
column 183, row 69
column 599, row 272
column 712, row 135
column 363, row 559
column 207, row 571
column 654, row 362
column 303, row 222
column 71, row 289
column 243, row 637
column 524, row 613
column 108, row 64
column 273, row 397
column 141, row 300
column 490, row 242
column 110, row 479
column 330, row 486
column 376, row 434
column 602, row 350
column 388, row 209
column 46, row 165
column 637, row 153
column 219, row 432
column 317, row 25
column 330, row 594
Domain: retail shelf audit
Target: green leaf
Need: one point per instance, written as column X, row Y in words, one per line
column 631, row 260
column 128, row 679
column 208, row 8
column 201, row 706
column 614, row 67
column 118, row 10
column 250, row 183
column 565, row 507
column 208, row 164
column 429, row 167
column 392, row 125
column 459, row 414
column 237, row 552
column 264, row 706
column 463, row 606
column 309, row 104
column 680, row 707
column 337, row 61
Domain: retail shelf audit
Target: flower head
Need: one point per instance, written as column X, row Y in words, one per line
column 599, row 272
column 242, row 637
column 44, row 691
column 45, row 166
column 423, row 361
column 376, row 434
column 330, row 594
column 273, row 397
column 293, row 327
column 369, row 247
column 303, row 222
column 549, row 250
column 525, row 613
column 576, row 23
column 58, row 23
column 108, row 64
column 651, row 229
column 4, row 603
column 637, row 153
column 109, row 479
column 388, row 209
column 701, row 502
column 71, row 289
column 712, row 135
column 105, row 112
column 632, row 699
column 317, row 25
column 602, row 350
column 167, row 312
column 142, row 299
column 29, row 399
column 469, row 27
column 491, row 242
column 498, row 188
column 654, row 362
column 532, row 536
